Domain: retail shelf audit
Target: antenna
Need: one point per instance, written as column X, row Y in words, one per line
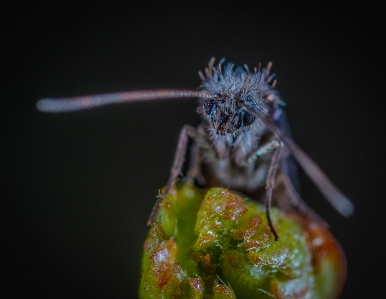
column 88, row 102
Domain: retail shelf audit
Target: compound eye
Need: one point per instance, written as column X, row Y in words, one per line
column 208, row 106
column 248, row 119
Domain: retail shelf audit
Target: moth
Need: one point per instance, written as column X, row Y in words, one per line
column 242, row 142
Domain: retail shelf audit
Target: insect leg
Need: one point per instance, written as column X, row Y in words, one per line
column 263, row 150
column 202, row 150
column 178, row 162
column 276, row 146
column 194, row 171
column 270, row 183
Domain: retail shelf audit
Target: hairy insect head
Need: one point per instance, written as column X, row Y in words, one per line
column 233, row 90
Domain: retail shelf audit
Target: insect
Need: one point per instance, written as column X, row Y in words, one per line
column 241, row 143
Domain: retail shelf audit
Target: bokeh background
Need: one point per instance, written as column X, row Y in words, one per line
column 77, row 188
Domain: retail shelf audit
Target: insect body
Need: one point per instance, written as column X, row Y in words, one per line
column 240, row 142
column 239, row 139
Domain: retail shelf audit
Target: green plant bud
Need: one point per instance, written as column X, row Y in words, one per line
column 217, row 244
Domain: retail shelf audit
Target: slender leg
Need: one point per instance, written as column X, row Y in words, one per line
column 263, row 150
column 195, row 165
column 179, row 158
column 178, row 162
column 276, row 146
column 270, row 185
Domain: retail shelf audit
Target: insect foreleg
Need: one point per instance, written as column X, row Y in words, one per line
column 201, row 150
column 263, row 150
column 178, row 162
column 194, row 171
column 270, row 184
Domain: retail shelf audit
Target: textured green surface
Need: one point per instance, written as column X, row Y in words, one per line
column 216, row 244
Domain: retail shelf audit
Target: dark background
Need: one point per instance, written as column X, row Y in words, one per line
column 77, row 188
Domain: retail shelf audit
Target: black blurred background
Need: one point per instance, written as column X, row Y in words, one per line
column 77, row 188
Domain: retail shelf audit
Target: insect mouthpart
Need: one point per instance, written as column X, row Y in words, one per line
column 227, row 118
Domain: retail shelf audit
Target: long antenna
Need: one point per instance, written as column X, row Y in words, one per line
column 87, row 102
